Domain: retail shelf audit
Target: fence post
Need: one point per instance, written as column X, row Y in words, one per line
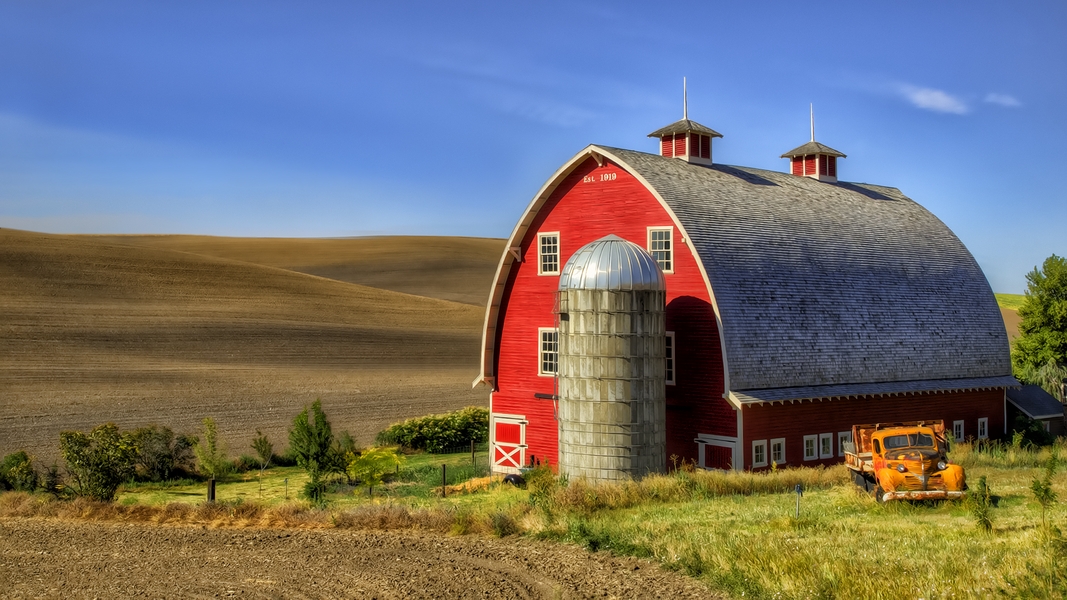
column 472, row 452
column 211, row 490
column 444, row 481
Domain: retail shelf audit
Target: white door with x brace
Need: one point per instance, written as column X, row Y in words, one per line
column 509, row 442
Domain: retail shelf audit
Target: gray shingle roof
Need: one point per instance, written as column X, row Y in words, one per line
column 684, row 126
column 1035, row 402
column 825, row 284
column 812, row 148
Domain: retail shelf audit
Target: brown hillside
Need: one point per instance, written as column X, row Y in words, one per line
column 1011, row 321
column 95, row 331
column 450, row 268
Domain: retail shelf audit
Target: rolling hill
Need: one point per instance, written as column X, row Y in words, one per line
column 121, row 329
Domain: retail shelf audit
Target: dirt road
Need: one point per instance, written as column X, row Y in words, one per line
column 46, row 558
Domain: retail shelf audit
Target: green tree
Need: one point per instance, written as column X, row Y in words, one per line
column 98, row 461
column 160, row 452
column 371, row 465
column 17, row 473
column 264, row 452
column 1039, row 354
column 210, row 453
column 311, row 441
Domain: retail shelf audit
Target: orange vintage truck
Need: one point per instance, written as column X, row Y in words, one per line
column 904, row 461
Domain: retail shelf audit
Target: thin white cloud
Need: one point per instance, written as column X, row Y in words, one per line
column 932, row 99
column 1003, row 100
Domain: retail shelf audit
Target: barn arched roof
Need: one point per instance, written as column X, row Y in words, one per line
column 820, row 289
column 830, row 285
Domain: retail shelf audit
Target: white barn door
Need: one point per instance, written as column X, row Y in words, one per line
column 508, row 438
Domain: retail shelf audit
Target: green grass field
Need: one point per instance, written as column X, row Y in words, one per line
column 418, row 479
column 1012, row 301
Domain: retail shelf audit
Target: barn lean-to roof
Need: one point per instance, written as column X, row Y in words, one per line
column 820, row 289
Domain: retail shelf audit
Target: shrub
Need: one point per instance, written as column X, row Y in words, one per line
column 98, row 461
column 160, row 453
column 371, row 465
column 17, row 473
column 435, row 433
column 210, row 454
column 245, row 463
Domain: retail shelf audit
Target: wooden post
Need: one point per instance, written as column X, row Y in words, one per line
column 444, row 481
column 286, row 488
column 472, row 452
column 211, row 490
column 800, row 492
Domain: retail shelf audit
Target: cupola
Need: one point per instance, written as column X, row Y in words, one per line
column 814, row 159
column 685, row 139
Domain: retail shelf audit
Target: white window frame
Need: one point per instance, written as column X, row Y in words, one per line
column 983, row 428
column 762, row 445
column 542, row 255
column 842, row 437
column 670, row 362
column 826, row 445
column 814, row 454
column 541, row 352
column 957, row 426
column 669, row 250
column 780, row 442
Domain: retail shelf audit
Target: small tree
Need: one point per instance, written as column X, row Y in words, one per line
column 17, row 473
column 311, row 440
column 982, row 504
column 370, row 466
column 100, row 461
column 1042, row 489
column 210, row 454
column 264, row 452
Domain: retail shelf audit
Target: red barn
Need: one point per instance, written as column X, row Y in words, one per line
column 797, row 305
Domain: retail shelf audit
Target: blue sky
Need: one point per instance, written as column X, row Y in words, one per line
column 351, row 118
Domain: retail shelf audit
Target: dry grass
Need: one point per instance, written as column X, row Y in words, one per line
column 94, row 331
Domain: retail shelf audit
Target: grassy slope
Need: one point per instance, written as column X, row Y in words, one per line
column 95, row 331
column 450, row 268
column 1012, row 301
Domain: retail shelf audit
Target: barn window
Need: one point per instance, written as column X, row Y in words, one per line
column 548, row 253
column 831, row 166
column 826, row 445
column 661, row 248
column 842, row 437
column 811, row 447
column 668, row 354
column 983, row 428
column 957, row 430
column 778, row 451
column 549, row 351
column 809, row 164
column 759, row 453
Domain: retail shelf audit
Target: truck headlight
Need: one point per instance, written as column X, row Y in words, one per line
column 902, row 468
column 942, row 465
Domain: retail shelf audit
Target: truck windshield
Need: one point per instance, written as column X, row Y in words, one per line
column 907, row 440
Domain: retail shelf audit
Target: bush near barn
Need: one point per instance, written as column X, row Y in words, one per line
column 435, row 433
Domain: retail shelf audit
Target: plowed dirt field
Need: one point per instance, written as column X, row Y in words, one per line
column 53, row 559
column 96, row 329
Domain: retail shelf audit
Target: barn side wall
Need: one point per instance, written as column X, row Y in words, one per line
column 794, row 421
column 591, row 202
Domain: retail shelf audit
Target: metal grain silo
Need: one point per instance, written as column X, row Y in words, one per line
column 612, row 399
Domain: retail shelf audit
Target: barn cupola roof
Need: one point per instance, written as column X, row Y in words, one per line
column 813, row 159
column 685, row 139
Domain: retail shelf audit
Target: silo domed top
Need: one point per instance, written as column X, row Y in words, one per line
column 611, row 263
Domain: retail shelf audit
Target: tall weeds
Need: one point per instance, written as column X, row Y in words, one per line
column 1008, row 455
